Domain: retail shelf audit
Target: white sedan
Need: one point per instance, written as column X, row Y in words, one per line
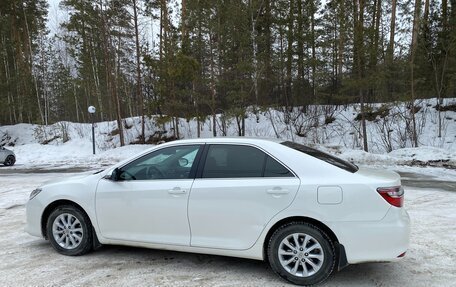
column 305, row 212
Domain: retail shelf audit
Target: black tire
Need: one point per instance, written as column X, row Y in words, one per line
column 317, row 235
column 10, row 160
column 82, row 228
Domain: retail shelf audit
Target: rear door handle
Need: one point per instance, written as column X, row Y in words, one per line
column 277, row 191
column 177, row 190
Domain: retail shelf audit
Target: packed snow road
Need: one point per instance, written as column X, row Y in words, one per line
column 31, row 261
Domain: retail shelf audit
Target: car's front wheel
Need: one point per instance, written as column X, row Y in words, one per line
column 69, row 230
column 301, row 253
column 10, row 160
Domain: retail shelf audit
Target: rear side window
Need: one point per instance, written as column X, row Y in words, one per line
column 237, row 161
column 274, row 169
column 231, row 161
column 340, row 163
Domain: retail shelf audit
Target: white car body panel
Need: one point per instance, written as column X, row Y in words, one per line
column 234, row 218
column 78, row 189
column 153, row 212
column 238, row 209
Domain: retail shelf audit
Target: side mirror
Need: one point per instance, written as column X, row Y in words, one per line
column 114, row 176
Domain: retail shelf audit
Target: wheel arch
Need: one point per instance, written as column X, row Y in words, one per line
column 52, row 206
column 286, row 220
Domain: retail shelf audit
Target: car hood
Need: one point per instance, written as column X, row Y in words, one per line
column 71, row 178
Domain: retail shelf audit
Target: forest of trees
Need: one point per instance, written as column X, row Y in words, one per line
column 208, row 57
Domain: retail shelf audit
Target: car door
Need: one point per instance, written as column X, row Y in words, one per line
column 147, row 200
column 236, row 193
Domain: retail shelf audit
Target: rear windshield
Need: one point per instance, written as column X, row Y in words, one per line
column 340, row 163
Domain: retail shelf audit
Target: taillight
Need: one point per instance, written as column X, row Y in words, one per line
column 394, row 195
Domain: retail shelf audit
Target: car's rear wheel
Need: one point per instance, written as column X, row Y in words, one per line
column 10, row 160
column 69, row 230
column 301, row 253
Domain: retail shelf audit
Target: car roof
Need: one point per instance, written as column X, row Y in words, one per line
column 251, row 140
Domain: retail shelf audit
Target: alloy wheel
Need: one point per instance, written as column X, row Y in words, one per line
column 67, row 231
column 301, row 255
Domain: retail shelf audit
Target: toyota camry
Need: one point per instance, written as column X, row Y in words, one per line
column 305, row 212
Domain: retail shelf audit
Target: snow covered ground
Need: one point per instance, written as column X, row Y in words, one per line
column 30, row 261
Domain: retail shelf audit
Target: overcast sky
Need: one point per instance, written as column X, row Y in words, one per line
column 148, row 29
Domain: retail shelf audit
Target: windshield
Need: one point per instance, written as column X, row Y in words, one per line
column 340, row 163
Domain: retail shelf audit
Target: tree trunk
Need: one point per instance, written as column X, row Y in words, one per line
column 243, row 125
column 341, row 44
column 111, row 83
column 300, row 52
column 185, row 40
column 139, row 93
column 269, row 75
column 312, row 37
column 359, row 55
column 416, row 22
column 390, row 52
column 177, row 128
column 32, row 74
column 426, row 12
column 254, row 55
column 288, row 89
column 213, row 89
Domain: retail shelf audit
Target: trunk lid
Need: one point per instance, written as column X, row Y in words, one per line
column 380, row 176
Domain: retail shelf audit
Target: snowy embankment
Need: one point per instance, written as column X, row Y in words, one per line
column 334, row 129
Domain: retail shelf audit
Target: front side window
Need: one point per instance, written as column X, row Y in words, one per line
column 167, row 163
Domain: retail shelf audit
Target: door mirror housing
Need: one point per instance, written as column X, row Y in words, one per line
column 114, row 175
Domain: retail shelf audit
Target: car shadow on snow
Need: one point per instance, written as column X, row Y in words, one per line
column 145, row 255
column 210, row 269
column 113, row 260
column 371, row 274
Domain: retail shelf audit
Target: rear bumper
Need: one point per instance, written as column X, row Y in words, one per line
column 375, row 241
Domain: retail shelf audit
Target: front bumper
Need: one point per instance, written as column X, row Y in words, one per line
column 375, row 241
column 34, row 211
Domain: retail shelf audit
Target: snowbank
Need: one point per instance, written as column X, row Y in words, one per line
column 330, row 128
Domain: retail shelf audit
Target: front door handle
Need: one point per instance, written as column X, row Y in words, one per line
column 177, row 190
column 277, row 191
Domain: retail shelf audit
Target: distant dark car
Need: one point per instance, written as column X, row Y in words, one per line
column 7, row 157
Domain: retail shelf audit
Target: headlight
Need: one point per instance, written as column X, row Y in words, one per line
column 34, row 193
